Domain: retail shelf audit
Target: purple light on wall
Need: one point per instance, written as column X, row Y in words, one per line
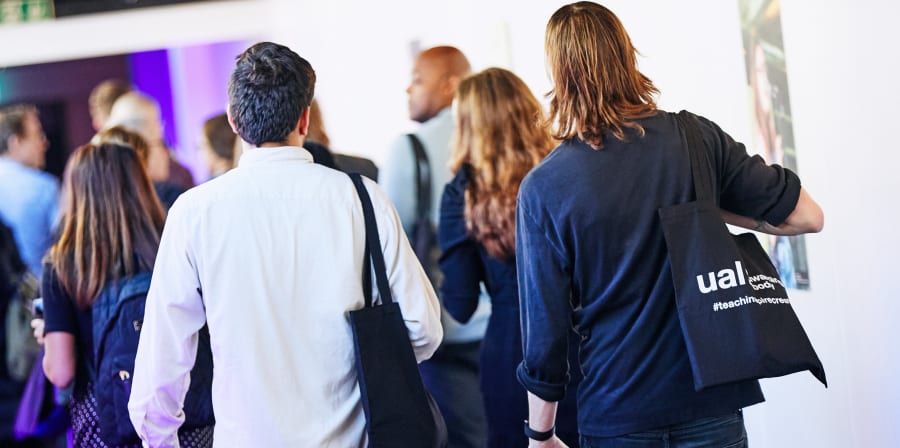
column 200, row 87
column 150, row 74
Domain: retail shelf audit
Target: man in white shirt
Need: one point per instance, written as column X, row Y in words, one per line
column 270, row 255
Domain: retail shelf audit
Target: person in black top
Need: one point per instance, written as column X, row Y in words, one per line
column 590, row 249
column 110, row 230
column 497, row 142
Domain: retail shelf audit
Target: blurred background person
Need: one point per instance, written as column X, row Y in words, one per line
column 319, row 145
column 217, row 145
column 499, row 137
column 28, row 196
column 317, row 142
column 122, row 136
column 140, row 113
column 451, row 375
column 29, row 204
column 102, row 98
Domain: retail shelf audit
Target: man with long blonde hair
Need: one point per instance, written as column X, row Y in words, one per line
column 591, row 251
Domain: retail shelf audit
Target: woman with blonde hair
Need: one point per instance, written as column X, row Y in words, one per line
column 111, row 227
column 499, row 137
column 591, row 250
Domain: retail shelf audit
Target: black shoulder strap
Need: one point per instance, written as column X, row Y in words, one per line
column 373, row 252
column 423, row 179
column 117, row 291
column 700, row 167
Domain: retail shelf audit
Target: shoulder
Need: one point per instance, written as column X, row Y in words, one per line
column 453, row 198
column 381, row 202
column 51, row 285
column 400, row 145
column 436, row 134
column 42, row 183
column 440, row 123
column 456, row 188
column 710, row 130
column 556, row 168
column 46, row 180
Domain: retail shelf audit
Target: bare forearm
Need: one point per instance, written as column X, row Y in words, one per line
column 807, row 217
column 542, row 417
column 541, row 414
column 759, row 225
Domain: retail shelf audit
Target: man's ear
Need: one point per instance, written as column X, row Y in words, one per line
column 451, row 82
column 230, row 118
column 303, row 123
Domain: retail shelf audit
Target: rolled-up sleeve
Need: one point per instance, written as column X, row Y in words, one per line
column 747, row 185
column 168, row 346
column 545, row 285
column 409, row 284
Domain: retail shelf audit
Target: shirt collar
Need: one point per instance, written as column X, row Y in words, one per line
column 254, row 156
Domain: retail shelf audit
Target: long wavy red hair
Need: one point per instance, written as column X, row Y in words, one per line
column 597, row 87
column 500, row 135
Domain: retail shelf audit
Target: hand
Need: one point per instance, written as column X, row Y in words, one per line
column 553, row 442
column 38, row 326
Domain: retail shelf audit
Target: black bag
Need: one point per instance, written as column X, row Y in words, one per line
column 117, row 316
column 423, row 236
column 399, row 411
column 735, row 314
column 18, row 286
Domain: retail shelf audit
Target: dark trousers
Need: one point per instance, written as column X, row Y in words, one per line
column 726, row 431
column 451, row 376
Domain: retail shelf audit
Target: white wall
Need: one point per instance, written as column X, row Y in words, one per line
column 841, row 67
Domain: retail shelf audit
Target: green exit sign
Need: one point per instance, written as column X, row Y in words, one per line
column 17, row 11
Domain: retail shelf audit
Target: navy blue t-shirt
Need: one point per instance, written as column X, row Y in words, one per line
column 591, row 252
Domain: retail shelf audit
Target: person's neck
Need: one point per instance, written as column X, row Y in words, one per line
column 292, row 140
column 437, row 114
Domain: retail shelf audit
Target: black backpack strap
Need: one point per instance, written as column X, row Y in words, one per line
column 373, row 253
column 423, row 179
column 701, row 171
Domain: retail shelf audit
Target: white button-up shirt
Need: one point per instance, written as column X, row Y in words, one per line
column 270, row 256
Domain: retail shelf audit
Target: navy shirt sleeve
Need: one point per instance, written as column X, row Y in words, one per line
column 747, row 185
column 545, row 290
column 460, row 260
column 60, row 312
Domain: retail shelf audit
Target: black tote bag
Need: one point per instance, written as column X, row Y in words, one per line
column 735, row 313
column 399, row 411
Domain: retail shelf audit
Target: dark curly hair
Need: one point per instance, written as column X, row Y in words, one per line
column 269, row 89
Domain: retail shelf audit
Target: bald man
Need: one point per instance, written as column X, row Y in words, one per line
column 140, row 113
column 451, row 375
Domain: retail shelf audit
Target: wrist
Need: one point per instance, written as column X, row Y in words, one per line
column 540, row 436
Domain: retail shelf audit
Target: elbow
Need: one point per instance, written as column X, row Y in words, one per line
column 819, row 223
column 807, row 216
column 59, row 376
column 814, row 220
column 460, row 309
